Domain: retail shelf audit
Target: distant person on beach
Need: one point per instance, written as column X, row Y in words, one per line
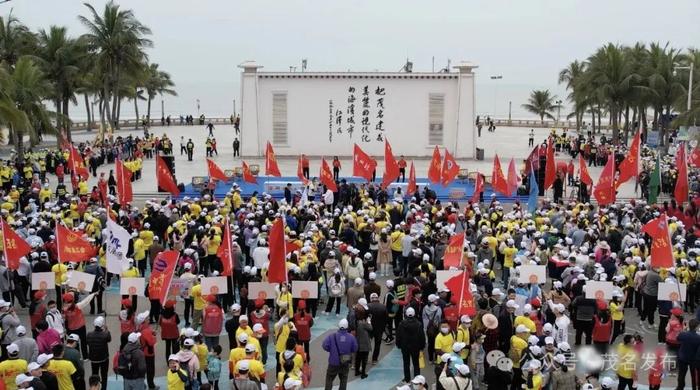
column 190, row 149
column 210, row 127
column 236, row 148
column 531, row 138
column 183, row 147
column 237, row 124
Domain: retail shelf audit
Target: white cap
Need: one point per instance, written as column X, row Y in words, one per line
column 534, row 364
column 549, row 340
column 235, row 307
column 363, row 302
column 173, row 357
column 21, row 330
column 22, row 378
column 462, row 369
column 73, row 337
column 410, row 312
column 587, row 386
column 243, row 317
column 358, row 281
column 343, row 324
column 44, row 358
column 418, row 380
column 291, row 383
column 512, row 305
column 372, row 276
column 458, row 346
column 607, row 382
column 465, row 319
column 522, row 329
column 134, row 337
column 547, row 327
column 243, row 337
column 564, row 347
column 33, row 366
column 188, row 343
column 99, row 322
column 12, row 348
column 258, row 328
column 389, row 283
column 432, row 298
column 243, row 365
column 250, row 348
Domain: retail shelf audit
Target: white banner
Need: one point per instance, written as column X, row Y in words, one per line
column 81, row 280
column 43, row 280
column 262, row 290
column 672, row 292
column 117, row 247
column 304, row 290
column 132, row 286
column 532, row 274
column 214, row 285
column 599, row 290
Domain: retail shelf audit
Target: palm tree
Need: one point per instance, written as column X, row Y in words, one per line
column 666, row 86
column 158, row 83
column 542, row 104
column 25, row 87
column 15, row 40
column 116, row 37
column 61, row 58
column 572, row 76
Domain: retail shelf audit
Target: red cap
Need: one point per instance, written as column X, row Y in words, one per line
column 602, row 305
column 170, row 303
column 301, row 304
column 68, row 298
column 39, row 295
column 259, row 303
column 211, row 298
column 535, row 302
column 126, row 302
column 677, row 311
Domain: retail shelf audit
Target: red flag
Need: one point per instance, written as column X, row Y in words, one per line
column 271, row 168
column 214, row 171
column 76, row 163
column 72, row 246
column 166, row 180
column 661, row 248
column 300, row 172
column 412, row 186
column 512, row 177
column 224, row 252
column 162, row 275
column 604, row 190
column 434, row 169
column 583, row 171
column 124, row 189
column 550, row 170
column 498, row 181
column 248, row 175
column 277, row 270
column 102, row 186
column 629, row 167
column 462, row 294
column 478, row 187
column 14, row 246
column 450, row 169
column 326, row 176
column 391, row 167
column 291, row 246
column 680, row 193
column 453, row 252
column 694, row 158
column 362, row 164
column 533, row 160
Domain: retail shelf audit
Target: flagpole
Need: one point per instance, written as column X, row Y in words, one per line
column 4, row 242
column 668, row 232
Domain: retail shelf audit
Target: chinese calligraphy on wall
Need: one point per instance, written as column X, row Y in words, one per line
column 367, row 105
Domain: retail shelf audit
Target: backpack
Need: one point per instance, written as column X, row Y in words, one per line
column 125, row 366
column 336, row 289
column 432, row 328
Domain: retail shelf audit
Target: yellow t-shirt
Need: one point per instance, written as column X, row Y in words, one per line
column 247, row 330
column 508, row 256
column 132, row 272
column 147, row 237
column 463, row 337
column 213, row 246
column 235, row 356
column 517, row 345
column 282, row 335
column 174, row 381
column 395, row 239
column 443, row 342
column 256, row 369
column 59, row 271
column 536, row 382
column 627, row 361
column 63, row 369
column 202, row 352
column 196, row 293
column 617, row 311
column 523, row 320
column 9, row 369
column 139, row 250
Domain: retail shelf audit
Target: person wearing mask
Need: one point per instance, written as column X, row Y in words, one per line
column 9, row 322
column 231, row 325
column 131, row 363
column 363, row 329
column 340, row 346
column 189, row 360
column 585, row 309
column 561, row 377
column 54, row 319
column 98, row 349
column 148, row 342
column 47, row 337
column 410, row 339
column 177, row 377
column 261, row 325
column 628, row 360
column 28, row 348
column 432, row 317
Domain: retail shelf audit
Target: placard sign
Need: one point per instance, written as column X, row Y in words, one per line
column 599, row 290
column 672, row 292
column 214, row 285
column 132, row 286
column 445, row 275
column 532, row 274
column 179, row 286
column 304, row 289
column 81, row 280
column 43, row 280
column 262, row 290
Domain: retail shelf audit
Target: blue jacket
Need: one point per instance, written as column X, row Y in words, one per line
column 339, row 343
column 689, row 343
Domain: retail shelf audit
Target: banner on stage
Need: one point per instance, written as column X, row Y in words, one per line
column 672, row 292
column 599, row 290
column 262, row 290
column 532, row 274
column 214, row 285
column 132, row 286
column 43, row 280
column 81, row 280
column 443, row 276
column 304, row 290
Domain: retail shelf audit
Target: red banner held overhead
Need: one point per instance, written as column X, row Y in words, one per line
column 225, row 253
column 72, row 246
column 453, row 252
column 165, row 178
column 277, row 271
column 162, row 275
column 450, row 169
column 300, row 171
column 583, row 171
column 680, row 193
column 124, row 190
column 512, row 177
column 248, row 175
column 326, row 176
column 604, row 190
column 498, row 181
column 391, row 167
column 478, row 187
column 215, row 172
column 629, row 167
column 462, row 294
column 550, row 170
column 434, row 169
column 661, row 248
column 412, row 185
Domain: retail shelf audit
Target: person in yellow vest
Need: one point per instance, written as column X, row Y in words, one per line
column 256, row 369
column 237, row 354
column 533, row 380
column 63, row 369
column 525, row 319
column 139, row 252
column 282, row 329
column 444, row 340
column 463, row 335
column 518, row 344
column 60, row 272
column 199, row 302
column 627, row 362
column 12, row 367
column 146, row 235
column 177, row 377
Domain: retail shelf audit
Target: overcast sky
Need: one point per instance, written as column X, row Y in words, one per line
column 200, row 42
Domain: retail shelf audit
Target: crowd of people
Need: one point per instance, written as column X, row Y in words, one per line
column 376, row 253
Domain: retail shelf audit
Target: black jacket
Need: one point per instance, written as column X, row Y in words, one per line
column 98, row 345
column 138, row 360
column 410, row 335
column 379, row 317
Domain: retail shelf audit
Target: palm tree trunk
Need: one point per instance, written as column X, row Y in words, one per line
column 103, row 121
column 593, row 121
column 87, row 110
column 600, row 125
column 615, row 129
column 148, row 111
column 105, row 102
column 115, row 114
column 136, row 107
column 66, row 119
column 119, row 109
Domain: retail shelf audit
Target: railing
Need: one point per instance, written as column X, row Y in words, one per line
column 131, row 123
column 539, row 124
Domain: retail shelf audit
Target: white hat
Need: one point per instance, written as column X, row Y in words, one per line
column 243, row 317
column 235, row 307
column 410, row 312
column 559, row 358
column 291, row 383
column 547, row 327
column 243, row 337
column 564, row 347
column 173, row 357
column 4, row 303
column 44, row 358
column 389, row 283
column 372, row 276
column 433, row 298
column 250, row 348
column 456, row 347
column 462, row 369
column 21, row 330
column 512, row 305
column 141, row 317
column 343, row 324
column 418, row 380
column 358, row 281
column 587, row 386
column 33, row 366
column 465, row 319
column 522, row 329
column 134, row 337
column 363, row 302
column 373, row 296
column 607, row 382
column 243, row 365
column 12, row 348
column 99, row 322
column 22, row 378
column 534, row 364
column 258, row 328
column 73, row 337
column 549, row 340
column 188, row 343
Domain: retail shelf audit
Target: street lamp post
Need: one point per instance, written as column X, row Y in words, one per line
column 690, row 80
column 495, row 93
column 198, row 108
column 559, row 102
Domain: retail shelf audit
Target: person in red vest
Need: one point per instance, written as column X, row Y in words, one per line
column 336, row 168
column 402, row 168
column 75, row 320
column 148, row 343
column 212, row 321
column 303, row 322
column 570, row 172
column 602, row 328
column 305, row 165
column 126, row 317
column 169, row 332
column 37, row 311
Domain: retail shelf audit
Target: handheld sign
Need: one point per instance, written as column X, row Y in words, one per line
column 599, row 290
column 304, row 290
column 534, row 274
column 672, row 292
column 214, row 285
column 261, row 290
column 81, row 280
column 43, row 280
column 179, row 286
column 132, row 286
